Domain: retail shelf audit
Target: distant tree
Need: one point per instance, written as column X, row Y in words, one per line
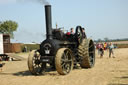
column 8, row 27
column 99, row 40
column 106, row 39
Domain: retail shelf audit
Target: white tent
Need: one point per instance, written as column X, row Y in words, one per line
column 1, row 44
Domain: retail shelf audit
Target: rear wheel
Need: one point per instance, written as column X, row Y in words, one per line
column 34, row 64
column 86, row 51
column 64, row 61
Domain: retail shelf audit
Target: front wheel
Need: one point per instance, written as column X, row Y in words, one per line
column 34, row 64
column 64, row 61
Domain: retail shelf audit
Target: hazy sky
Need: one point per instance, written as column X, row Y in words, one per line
column 101, row 18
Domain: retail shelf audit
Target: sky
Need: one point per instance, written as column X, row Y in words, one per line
column 100, row 18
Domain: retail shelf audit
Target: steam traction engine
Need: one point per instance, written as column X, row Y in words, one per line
column 60, row 51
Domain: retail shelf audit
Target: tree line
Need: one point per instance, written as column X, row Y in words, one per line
column 110, row 40
column 8, row 27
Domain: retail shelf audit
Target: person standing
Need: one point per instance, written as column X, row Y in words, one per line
column 72, row 31
column 101, row 50
column 98, row 47
column 105, row 46
column 83, row 32
column 111, row 47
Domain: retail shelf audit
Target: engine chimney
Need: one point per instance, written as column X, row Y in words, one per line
column 48, row 18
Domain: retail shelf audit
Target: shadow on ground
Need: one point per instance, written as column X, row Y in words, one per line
column 27, row 73
column 49, row 71
column 124, row 77
column 23, row 73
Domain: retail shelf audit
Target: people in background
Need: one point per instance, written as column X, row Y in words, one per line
column 111, row 53
column 101, row 50
column 105, row 46
column 25, row 49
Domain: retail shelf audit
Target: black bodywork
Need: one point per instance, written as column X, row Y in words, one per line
column 56, row 39
column 49, row 47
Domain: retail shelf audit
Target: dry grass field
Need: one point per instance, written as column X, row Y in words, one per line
column 107, row 71
column 121, row 42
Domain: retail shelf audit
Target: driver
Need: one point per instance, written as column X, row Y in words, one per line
column 71, row 32
column 83, row 31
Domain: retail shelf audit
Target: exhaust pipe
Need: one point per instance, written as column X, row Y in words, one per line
column 48, row 18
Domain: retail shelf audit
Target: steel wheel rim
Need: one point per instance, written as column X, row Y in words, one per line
column 36, row 63
column 66, row 61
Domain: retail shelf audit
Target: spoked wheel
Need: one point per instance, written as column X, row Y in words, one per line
column 86, row 51
column 64, row 61
column 34, row 64
column 79, row 34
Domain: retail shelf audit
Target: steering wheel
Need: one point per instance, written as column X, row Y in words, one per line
column 79, row 34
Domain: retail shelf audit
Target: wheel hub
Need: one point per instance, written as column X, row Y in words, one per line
column 37, row 62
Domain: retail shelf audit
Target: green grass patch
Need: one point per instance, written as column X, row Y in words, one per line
column 30, row 47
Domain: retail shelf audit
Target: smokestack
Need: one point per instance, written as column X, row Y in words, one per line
column 48, row 18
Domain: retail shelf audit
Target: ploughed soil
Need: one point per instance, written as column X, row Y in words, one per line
column 107, row 71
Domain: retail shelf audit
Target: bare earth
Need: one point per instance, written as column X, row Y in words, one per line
column 107, row 71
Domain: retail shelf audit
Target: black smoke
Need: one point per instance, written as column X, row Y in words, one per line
column 44, row 2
